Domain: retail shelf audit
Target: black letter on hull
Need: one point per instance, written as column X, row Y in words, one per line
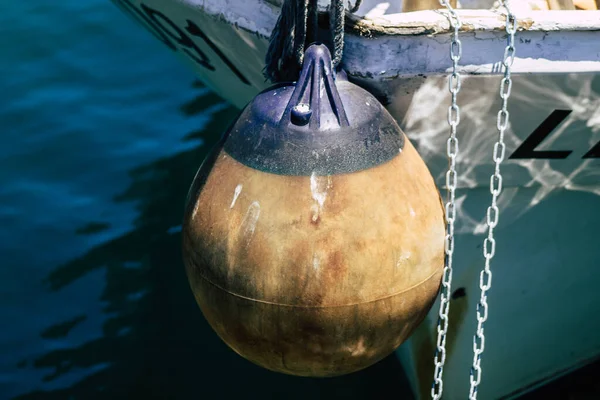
column 594, row 152
column 179, row 36
column 527, row 149
column 195, row 30
column 134, row 12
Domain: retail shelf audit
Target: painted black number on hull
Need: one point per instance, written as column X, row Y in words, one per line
column 527, row 149
column 165, row 30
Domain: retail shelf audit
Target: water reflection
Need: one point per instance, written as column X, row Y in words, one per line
column 155, row 342
column 422, row 114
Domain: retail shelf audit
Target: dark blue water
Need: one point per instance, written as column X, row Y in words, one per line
column 102, row 130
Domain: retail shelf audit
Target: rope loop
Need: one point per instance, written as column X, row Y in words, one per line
column 296, row 28
column 336, row 24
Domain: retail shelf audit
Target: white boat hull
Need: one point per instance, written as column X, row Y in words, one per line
column 543, row 303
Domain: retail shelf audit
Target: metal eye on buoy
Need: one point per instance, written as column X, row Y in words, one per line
column 314, row 235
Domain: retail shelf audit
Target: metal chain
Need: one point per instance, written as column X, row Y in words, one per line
column 489, row 244
column 454, row 84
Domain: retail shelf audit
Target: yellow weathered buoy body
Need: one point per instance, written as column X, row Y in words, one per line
column 322, row 264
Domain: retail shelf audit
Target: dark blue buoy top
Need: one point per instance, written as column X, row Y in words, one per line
column 322, row 124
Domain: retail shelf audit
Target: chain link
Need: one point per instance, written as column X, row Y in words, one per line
column 489, row 243
column 454, row 84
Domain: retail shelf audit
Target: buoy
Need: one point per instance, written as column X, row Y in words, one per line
column 313, row 236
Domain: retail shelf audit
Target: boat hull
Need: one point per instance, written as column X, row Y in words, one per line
column 543, row 302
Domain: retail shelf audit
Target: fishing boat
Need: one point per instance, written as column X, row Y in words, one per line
column 544, row 304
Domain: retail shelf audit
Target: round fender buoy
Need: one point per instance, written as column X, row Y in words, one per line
column 313, row 236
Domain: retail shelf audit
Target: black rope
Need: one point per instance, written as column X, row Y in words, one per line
column 281, row 44
column 336, row 24
column 296, row 27
column 312, row 23
column 306, row 27
column 356, row 6
column 286, row 45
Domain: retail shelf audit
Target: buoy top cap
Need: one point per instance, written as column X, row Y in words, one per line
column 315, row 100
column 320, row 124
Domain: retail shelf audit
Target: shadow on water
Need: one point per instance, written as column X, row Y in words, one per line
column 155, row 342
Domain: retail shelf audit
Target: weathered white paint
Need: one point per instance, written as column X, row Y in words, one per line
column 236, row 194
column 552, row 41
column 255, row 16
column 316, row 262
column 319, row 185
column 383, row 53
column 417, row 43
column 248, row 225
